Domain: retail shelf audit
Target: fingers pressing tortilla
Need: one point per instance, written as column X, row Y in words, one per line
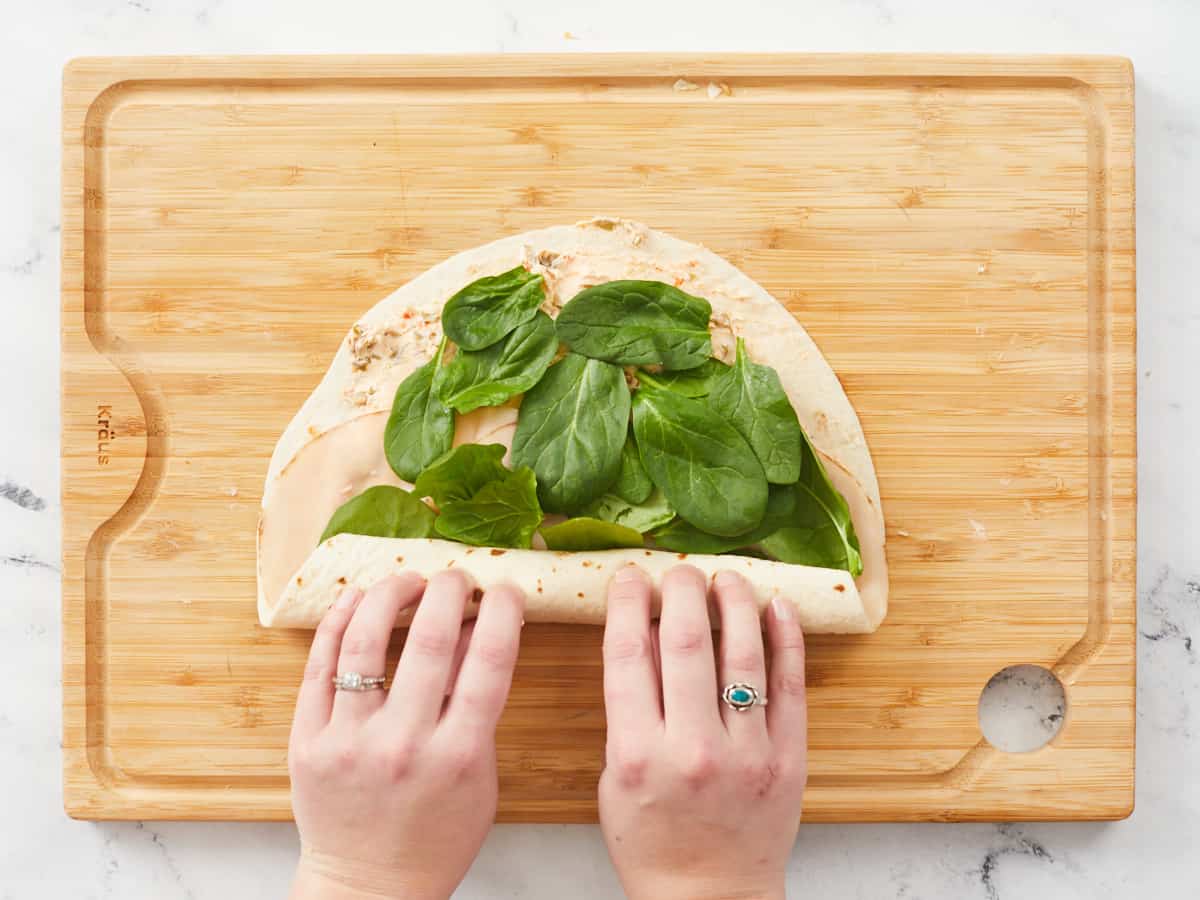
column 561, row 587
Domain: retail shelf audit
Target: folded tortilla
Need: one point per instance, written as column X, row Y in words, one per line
column 333, row 447
column 559, row 586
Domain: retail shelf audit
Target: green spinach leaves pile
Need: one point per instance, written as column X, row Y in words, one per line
column 628, row 426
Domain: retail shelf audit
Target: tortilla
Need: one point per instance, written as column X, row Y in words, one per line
column 559, row 587
column 332, row 449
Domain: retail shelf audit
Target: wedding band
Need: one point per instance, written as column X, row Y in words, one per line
column 352, row 681
column 741, row 697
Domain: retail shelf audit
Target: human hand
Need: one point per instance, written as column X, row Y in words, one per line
column 698, row 800
column 394, row 791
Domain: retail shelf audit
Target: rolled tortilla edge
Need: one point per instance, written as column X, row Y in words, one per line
column 559, row 587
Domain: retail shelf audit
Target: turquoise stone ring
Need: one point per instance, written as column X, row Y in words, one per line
column 739, row 696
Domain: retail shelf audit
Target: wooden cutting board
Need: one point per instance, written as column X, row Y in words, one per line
column 956, row 233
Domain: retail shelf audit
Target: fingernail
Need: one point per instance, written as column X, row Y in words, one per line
column 782, row 609
column 347, row 598
column 628, row 574
column 725, row 578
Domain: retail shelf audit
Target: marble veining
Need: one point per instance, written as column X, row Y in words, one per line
column 24, row 559
column 1014, row 842
column 1170, row 610
column 22, row 496
column 45, row 855
column 1021, row 708
column 26, row 265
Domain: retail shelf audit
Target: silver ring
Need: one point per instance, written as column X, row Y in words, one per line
column 740, row 696
column 352, row 681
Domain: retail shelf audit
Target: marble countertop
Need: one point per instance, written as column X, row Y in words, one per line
column 43, row 854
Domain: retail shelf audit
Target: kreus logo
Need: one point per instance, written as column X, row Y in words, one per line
column 105, row 434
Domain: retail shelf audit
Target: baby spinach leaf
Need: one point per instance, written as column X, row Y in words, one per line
column 589, row 534
column 632, row 484
column 570, row 431
column 750, row 397
column 460, row 473
column 510, row 366
column 820, row 531
column 503, row 513
column 420, row 428
column 481, row 501
column 646, row 516
column 695, row 382
column 706, row 469
column 635, row 323
column 382, row 511
column 753, row 552
column 489, row 308
column 683, row 537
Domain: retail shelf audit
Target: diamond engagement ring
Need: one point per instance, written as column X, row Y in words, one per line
column 741, row 697
column 352, row 681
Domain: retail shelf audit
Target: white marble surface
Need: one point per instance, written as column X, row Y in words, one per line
column 45, row 855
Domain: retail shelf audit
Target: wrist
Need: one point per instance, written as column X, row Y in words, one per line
column 320, row 876
column 692, row 888
column 312, row 885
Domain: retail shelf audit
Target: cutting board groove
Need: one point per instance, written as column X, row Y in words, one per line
column 955, row 232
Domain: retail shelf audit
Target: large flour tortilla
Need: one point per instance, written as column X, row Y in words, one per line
column 558, row 586
column 332, row 449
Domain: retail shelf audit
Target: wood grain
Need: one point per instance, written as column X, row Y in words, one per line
column 955, row 232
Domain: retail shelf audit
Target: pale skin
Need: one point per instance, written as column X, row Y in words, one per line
column 395, row 791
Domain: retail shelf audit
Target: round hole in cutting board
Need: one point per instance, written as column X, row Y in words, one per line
column 1022, row 708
